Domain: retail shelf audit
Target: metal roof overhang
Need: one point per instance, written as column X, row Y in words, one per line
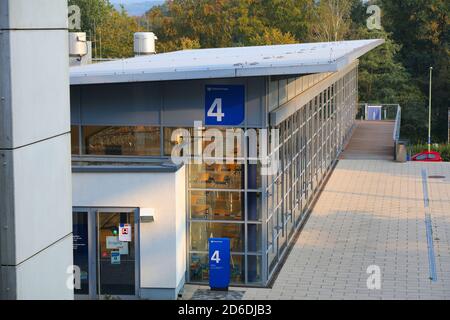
column 226, row 63
column 289, row 108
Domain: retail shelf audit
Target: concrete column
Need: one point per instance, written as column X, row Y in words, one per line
column 35, row 169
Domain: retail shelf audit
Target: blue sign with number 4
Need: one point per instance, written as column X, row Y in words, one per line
column 224, row 105
column 219, row 263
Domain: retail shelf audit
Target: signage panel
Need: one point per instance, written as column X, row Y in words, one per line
column 224, row 105
column 219, row 263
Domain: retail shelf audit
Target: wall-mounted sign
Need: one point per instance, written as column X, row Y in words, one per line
column 374, row 113
column 224, row 105
column 219, row 263
column 113, row 243
column 125, row 232
column 115, row 257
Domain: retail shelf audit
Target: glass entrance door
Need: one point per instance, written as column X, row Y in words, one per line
column 116, row 254
column 105, row 252
column 81, row 252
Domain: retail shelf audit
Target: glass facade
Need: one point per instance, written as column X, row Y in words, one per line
column 258, row 213
column 281, row 89
column 75, row 139
column 116, row 140
column 310, row 140
column 225, row 200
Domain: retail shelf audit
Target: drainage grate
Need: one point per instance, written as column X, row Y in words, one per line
column 436, row 177
column 205, row 294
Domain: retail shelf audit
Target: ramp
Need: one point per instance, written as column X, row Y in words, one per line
column 371, row 140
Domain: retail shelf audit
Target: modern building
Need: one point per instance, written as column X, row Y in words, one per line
column 123, row 116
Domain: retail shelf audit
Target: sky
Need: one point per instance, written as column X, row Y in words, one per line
column 127, row 1
column 136, row 7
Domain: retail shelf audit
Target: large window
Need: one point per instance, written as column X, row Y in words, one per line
column 169, row 144
column 217, row 205
column 199, row 268
column 75, row 139
column 216, row 176
column 126, row 141
column 202, row 231
column 225, row 200
column 309, row 141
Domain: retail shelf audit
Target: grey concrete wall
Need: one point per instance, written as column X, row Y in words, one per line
column 35, row 169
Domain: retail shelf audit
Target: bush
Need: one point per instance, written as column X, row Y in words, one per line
column 443, row 149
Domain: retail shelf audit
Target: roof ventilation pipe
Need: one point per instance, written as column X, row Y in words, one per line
column 80, row 50
column 144, row 43
column 77, row 44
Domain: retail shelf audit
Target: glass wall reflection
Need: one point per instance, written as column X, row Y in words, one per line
column 127, row 141
column 216, row 176
column 217, row 205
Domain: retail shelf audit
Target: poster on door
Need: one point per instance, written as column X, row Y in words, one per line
column 125, row 232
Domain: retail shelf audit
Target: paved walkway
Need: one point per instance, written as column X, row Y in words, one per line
column 371, row 140
column 372, row 213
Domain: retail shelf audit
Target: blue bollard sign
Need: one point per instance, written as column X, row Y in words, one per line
column 219, row 263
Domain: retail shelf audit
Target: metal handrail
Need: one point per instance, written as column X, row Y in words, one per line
column 389, row 111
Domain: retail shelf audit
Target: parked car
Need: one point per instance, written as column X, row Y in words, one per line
column 431, row 156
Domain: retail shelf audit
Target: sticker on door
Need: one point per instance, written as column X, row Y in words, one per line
column 125, row 232
column 115, row 257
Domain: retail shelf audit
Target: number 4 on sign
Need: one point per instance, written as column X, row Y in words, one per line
column 215, row 257
column 218, row 114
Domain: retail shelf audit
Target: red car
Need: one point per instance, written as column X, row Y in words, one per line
column 431, row 156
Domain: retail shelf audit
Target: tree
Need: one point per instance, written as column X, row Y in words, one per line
column 422, row 27
column 110, row 31
column 225, row 23
column 384, row 80
column 93, row 13
column 272, row 36
column 288, row 16
column 331, row 21
column 115, row 35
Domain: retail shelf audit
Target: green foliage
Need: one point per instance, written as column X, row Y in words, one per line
column 382, row 79
column 110, row 31
column 416, row 34
column 422, row 27
column 331, row 20
column 93, row 13
column 272, row 36
column 116, row 35
column 227, row 23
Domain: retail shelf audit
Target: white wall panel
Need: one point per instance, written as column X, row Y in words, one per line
column 28, row 14
column 36, row 101
column 39, row 279
column 42, row 195
column 162, row 242
column 181, row 234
